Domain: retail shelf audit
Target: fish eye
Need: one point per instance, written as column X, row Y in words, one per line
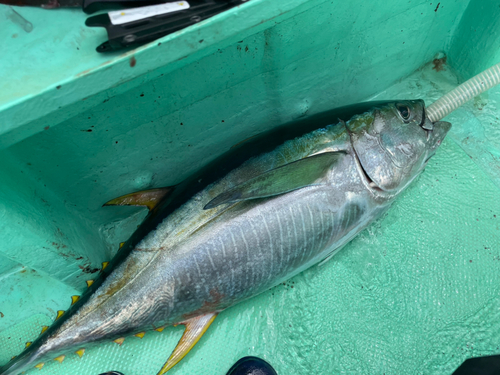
column 404, row 111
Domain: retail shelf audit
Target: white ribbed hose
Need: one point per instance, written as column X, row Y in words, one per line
column 463, row 93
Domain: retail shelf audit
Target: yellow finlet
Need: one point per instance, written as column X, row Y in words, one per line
column 74, row 299
column 89, row 283
column 149, row 198
column 159, row 329
column 121, row 244
column 14, row 356
column 195, row 328
column 60, row 359
column 44, row 328
column 28, row 344
column 140, row 334
column 59, row 314
column 120, row 340
column 80, row 352
column 104, row 265
column 40, row 365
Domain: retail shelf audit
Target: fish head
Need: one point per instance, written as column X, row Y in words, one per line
column 394, row 142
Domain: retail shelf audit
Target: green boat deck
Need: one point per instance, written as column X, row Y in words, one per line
column 417, row 292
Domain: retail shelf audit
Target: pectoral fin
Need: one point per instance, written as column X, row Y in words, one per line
column 195, row 328
column 289, row 177
column 149, row 198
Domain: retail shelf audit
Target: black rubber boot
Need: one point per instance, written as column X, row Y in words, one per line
column 251, row 366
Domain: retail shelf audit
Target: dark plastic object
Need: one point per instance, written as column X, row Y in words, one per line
column 88, row 6
column 489, row 365
column 92, row 6
column 251, row 366
column 148, row 29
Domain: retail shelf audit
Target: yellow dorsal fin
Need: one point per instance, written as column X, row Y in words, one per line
column 44, row 328
column 60, row 359
column 80, row 352
column 195, row 328
column 104, row 265
column 149, row 198
column 120, row 340
column 28, row 344
column 121, row 244
column 40, row 365
column 89, row 283
column 59, row 314
column 74, row 299
column 140, row 334
column 159, row 329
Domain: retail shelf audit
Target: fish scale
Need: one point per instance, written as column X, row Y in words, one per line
column 266, row 221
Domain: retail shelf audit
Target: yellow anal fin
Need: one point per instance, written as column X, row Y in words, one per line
column 149, row 198
column 195, row 328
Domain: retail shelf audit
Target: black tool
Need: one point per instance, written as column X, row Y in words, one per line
column 140, row 31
